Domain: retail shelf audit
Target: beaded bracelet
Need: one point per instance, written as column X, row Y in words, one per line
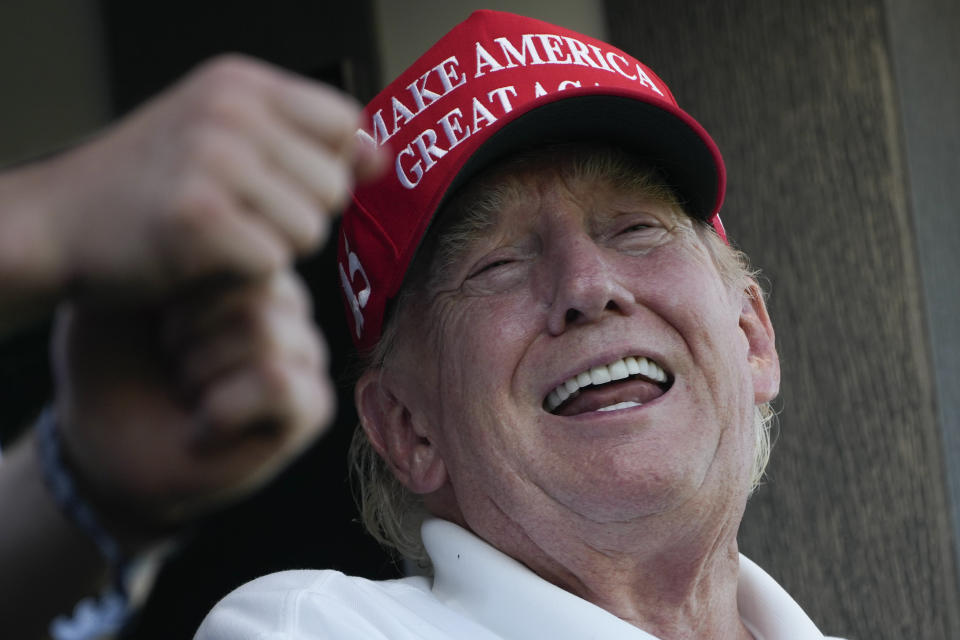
column 112, row 609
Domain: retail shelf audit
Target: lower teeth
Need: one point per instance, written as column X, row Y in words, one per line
column 620, row 405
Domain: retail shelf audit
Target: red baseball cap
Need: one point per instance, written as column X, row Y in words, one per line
column 495, row 84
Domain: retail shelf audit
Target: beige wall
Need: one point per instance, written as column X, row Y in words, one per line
column 407, row 29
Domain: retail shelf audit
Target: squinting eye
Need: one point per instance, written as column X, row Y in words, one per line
column 489, row 267
column 644, row 225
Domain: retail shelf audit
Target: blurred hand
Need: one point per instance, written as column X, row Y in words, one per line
column 187, row 367
column 234, row 171
column 166, row 414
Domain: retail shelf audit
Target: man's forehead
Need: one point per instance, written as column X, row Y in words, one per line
column 551, row 171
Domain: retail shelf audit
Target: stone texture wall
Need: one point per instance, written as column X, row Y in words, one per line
column 803, row 101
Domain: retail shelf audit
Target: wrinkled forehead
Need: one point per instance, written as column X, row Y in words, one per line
column 570, row 162
column 480, row 205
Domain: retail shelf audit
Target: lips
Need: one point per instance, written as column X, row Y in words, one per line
column 622, row 384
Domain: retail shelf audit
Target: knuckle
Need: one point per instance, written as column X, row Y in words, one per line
column 315, row 409
column 232, row 107
column 212, row 149
column 290, row 293
column 269, row 341
column 228, row 69
column 336, row 187
column 310, row 234
column 217, row 417
column 198, row 207
column 278, row 385
column 229, row 89
column 298, row 230
column 194, row 212
column 299, row 293
column 342, row 111
column 250, row 320
column 305, row 351
column 270, row 257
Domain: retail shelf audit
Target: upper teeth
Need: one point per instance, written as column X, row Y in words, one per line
column 622, row 368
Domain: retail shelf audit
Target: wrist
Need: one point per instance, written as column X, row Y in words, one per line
column 119, row 528
column 33, row 265
column 131, row 567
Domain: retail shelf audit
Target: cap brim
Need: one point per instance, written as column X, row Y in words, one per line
column 673, row 142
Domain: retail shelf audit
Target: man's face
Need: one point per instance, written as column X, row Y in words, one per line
column 503, row 363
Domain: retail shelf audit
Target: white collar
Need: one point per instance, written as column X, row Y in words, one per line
column 483, row 583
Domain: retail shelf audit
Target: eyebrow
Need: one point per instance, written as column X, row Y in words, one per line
column 469, row 218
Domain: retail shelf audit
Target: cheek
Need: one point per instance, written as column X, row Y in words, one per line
column 690, row 295
column 480, row 340
column 480, row 343
column 705, row 314
column 474, row 368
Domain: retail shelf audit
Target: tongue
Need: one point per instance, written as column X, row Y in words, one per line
column 595, row 398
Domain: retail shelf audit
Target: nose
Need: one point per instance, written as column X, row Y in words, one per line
column 584, row 284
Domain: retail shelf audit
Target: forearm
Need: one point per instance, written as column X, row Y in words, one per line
column 48, row 564
column 32, row 269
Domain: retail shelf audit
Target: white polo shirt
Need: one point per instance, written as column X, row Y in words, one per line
column 478, row 593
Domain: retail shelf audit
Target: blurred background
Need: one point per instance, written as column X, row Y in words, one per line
column 840, row 124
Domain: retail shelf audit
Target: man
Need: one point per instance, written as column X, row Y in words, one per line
column 566, row 366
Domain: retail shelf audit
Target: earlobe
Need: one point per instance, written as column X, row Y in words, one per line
column 393, row 431
column 762, row 355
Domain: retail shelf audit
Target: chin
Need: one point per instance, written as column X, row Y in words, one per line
column 623, row 499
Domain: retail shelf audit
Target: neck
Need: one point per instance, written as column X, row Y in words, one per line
column 662, row 575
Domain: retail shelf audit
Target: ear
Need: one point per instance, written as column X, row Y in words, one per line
column 397, row 434
column 762, row 355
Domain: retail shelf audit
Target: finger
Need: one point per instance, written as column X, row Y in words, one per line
column 324, row 174
column 268, row 400
column 212, row 233
column 337, row 132
column 324, row 113
column 369, row 162
column 203, row 309
column 272, row 335
column 285, row 185
column 285, row 205
column 332, row 119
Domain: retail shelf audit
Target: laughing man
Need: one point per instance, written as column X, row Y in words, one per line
column 567, row 367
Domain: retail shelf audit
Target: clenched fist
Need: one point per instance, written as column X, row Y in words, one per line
column 233, row 172
column 165, row 413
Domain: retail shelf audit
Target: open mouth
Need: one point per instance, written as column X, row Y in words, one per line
column 622, row 384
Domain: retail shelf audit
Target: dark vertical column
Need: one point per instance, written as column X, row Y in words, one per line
column 150, row 45
column 802, row 99
column 925, row 46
